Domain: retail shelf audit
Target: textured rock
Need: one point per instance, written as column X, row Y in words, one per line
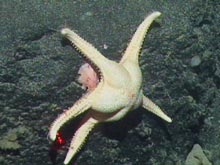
column 197, row 157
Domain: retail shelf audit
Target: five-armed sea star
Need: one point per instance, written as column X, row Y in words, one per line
column 114, row 88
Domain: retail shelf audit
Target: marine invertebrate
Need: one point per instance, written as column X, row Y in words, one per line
column 114, row 88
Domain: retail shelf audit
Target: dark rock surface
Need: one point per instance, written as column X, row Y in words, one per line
column 38, row 73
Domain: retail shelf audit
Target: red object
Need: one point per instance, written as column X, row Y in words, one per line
column 60, row 140
column 57, row 145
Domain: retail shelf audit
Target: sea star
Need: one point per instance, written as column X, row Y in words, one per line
column 114, row 88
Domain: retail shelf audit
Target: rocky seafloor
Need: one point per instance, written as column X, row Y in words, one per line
column 180, row 60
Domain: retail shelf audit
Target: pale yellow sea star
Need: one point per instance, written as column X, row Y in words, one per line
column 118, row 90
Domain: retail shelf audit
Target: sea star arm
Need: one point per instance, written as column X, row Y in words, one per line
column 133, row 49
column 87, row 50
column 78, row 108
column 152, row 107
column 79, row 137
